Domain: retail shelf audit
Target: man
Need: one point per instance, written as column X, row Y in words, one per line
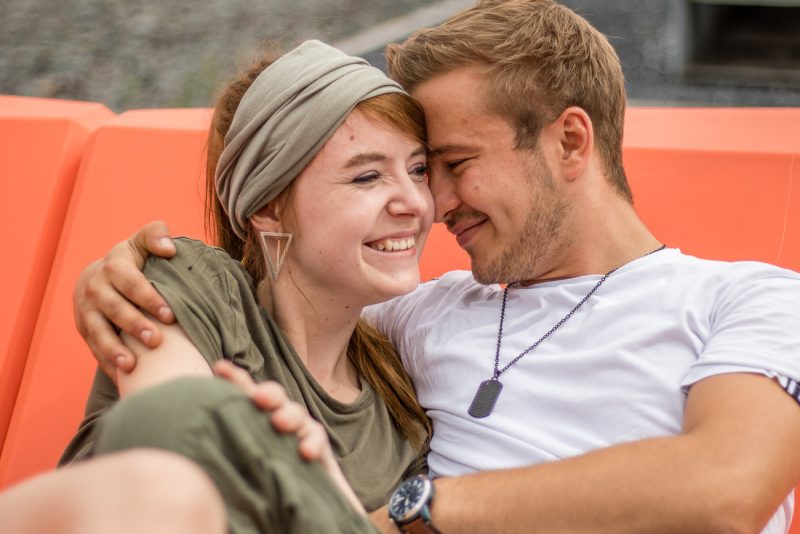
column 614, row 385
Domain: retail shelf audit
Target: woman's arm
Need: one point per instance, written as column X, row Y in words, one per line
column 175, row 356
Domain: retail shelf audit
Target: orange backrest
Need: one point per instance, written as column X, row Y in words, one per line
column 718, row 183
column 41, row 144
column 143, row 165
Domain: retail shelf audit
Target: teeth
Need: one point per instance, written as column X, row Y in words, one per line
column 393, row 245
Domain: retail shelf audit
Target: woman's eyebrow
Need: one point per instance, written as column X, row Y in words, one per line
column 361, row 159
column 371, row 157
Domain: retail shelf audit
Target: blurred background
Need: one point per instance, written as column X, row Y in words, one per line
column 174, row 53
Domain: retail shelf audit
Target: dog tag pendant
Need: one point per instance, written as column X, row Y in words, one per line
column 483, row 403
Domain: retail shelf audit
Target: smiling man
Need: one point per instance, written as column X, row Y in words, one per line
column 610, row 384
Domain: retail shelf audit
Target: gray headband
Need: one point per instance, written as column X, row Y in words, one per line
column 292, row 108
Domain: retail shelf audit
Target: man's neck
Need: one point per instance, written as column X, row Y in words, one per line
column 601, row 236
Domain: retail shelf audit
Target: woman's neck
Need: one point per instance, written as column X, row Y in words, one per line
column 319, row 328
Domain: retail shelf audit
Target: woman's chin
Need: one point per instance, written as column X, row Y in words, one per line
column 396, row 285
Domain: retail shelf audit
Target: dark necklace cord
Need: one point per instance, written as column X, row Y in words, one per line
column 497, row 371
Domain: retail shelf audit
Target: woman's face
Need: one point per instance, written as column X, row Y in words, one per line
column 360, row 212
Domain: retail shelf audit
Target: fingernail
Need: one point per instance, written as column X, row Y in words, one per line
column 120, row 360
column 164, row 313
column 166, row 242
column 146, row 335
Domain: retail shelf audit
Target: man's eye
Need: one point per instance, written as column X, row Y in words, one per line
column 366, row 178
column 419, row 173
column 453, row 165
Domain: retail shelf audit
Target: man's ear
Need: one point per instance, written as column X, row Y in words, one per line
column 576, row 141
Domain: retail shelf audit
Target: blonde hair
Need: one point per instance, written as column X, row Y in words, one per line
column 374, row 357
column 540, row 58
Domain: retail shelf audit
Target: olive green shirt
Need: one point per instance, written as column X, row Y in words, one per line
column 214, row 301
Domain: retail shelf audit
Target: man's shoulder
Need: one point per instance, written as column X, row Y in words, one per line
column 451, row 279
column 721, row 270
column 451, row 287
column 447, row 290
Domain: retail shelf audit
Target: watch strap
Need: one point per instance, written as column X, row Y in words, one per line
column 420, row 525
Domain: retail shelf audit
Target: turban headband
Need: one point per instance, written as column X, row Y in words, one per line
column 292, row 108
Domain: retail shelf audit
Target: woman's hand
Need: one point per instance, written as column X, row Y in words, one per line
column 109, row 291
column 289, row 417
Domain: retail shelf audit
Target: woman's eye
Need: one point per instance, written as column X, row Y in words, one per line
column 419, row 173
column 366, row 178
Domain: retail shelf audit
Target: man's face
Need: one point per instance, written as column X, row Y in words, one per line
column 500, row 202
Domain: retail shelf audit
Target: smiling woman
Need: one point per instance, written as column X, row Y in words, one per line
column 369, row 187
column 319, row 200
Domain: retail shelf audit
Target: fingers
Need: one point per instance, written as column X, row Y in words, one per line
column 124, row 263
column 153, row 238
column 269, row 396
column 235, row 375
column 288, row 417
column 111, row 291
column 106, row 346
column 292, row 418
column 89, row 299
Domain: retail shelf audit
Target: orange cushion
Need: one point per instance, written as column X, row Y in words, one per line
column 42, row 143
column 143, row 165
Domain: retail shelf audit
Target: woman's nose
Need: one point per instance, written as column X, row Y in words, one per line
column 444, row 196
column 411, row 198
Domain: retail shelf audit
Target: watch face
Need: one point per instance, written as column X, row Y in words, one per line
column 409, row 498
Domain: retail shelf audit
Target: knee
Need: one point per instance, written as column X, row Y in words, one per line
column 168, row 493
column 150, row 491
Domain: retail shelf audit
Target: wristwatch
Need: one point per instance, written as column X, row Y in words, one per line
column 409, row 506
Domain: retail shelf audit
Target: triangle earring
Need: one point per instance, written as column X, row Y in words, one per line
column 282, row 242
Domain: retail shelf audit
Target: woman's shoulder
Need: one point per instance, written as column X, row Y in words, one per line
column 193, row 250
column 194, row 258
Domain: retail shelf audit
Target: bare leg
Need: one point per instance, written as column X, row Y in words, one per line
column 127, row 492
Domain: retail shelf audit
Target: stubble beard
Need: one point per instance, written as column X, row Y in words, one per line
column 536, row 237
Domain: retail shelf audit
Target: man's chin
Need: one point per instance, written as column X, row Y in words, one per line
column 485, row 274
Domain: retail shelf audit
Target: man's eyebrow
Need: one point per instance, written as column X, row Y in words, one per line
column 361, row 159
column 441, row 150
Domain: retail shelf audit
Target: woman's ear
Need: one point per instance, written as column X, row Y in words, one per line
column 268, row 218
column 576, row 137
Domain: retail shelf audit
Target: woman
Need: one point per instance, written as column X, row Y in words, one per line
column 317, row 188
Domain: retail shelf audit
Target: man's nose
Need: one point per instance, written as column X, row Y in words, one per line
column 445, row 197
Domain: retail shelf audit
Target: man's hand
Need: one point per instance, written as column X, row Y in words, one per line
column 109, row 291
column 380, row 520
column 289, row 417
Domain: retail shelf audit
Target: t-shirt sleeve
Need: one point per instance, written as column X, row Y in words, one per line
column 420, row 464
column 103, row 394
column 395, row 319
column 213, row 301
column 407, row 320
column 754, row 327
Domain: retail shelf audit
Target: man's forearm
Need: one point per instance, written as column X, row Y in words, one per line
column 728, row 472
column 640, row 487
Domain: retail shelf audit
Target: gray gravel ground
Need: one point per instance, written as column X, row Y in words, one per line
column 174, row 53
column 159, row 53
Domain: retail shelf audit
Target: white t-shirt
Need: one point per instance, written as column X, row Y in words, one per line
column 616, row 371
